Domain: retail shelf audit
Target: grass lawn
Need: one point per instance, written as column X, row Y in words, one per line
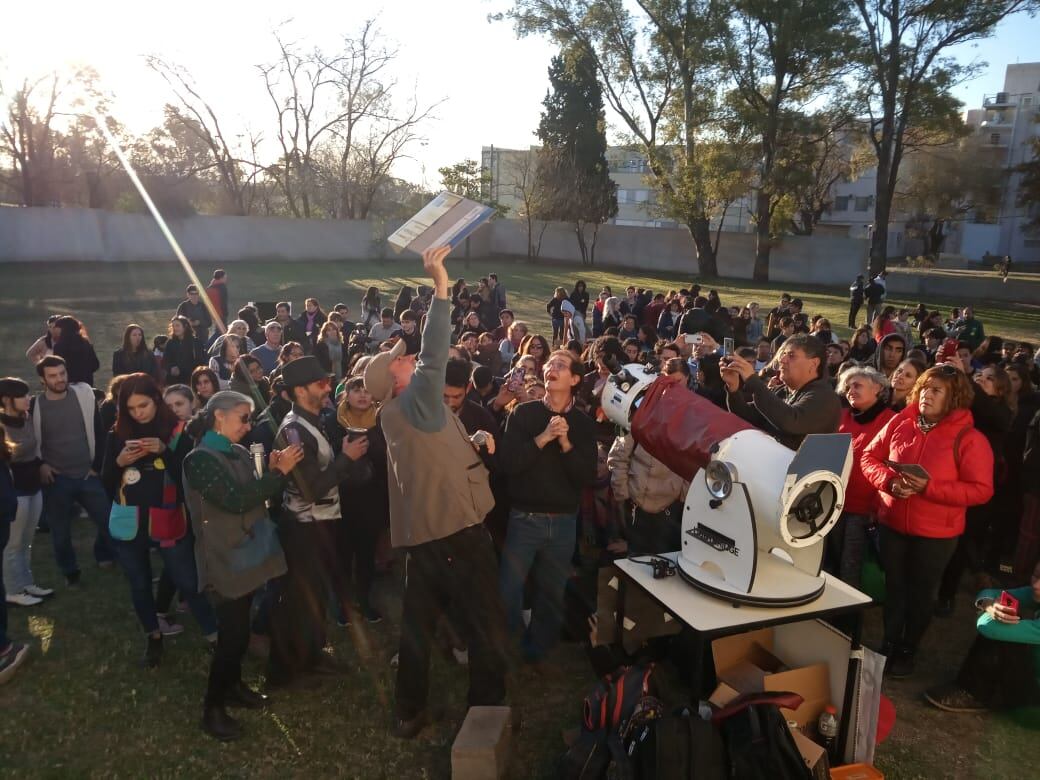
column 107, row 296
column 81, row 707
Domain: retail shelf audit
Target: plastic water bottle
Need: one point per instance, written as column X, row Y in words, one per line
column 827, row 728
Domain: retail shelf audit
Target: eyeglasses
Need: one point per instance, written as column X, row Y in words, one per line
column 244, row 419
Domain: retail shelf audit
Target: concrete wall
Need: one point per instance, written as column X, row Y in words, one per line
column 45, row 234
column 41, row 234
column 821, row 259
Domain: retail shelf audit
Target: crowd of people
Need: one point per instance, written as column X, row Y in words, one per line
column 276, row 465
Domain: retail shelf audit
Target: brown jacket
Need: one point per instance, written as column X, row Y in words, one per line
column 438, row 483
column 637, row 476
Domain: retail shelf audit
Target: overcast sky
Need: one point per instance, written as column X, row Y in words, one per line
column 493, row 83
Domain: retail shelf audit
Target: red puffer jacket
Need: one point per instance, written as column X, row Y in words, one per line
column 938, row 512
column 860, row 496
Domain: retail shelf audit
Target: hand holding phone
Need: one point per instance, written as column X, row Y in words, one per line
column 292, row 436
column 1007, row 600
column 516, row 379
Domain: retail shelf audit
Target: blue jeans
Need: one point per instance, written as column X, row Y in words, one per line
column 542, row 545
column 58, row 501
column 5, row 534
column 179, row 561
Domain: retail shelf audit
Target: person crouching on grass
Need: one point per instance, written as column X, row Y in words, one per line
column 236, row 543
column 548, row 453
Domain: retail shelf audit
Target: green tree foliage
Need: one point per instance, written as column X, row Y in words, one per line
column 782, row 56
column 1029, row 187
column 469, row 180
column 572, row 173
column 657, row 62
column 906, row 75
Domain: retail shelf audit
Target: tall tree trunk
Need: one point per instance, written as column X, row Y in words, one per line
column 700, row 231
column 763, row 244
column 579, row 233
column 879, row 240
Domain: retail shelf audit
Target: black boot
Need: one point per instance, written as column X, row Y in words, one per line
column 241, row 695
column 901, row 665
column 153, row 652
column 219, row 725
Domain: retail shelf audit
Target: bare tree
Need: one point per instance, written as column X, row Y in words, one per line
column 339, row 106
column 521, row 177
column 27, row 138
column 197, row 116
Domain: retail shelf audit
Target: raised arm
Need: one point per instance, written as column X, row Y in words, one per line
column 422, row 402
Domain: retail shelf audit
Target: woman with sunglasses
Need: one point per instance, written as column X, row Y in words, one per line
column 142, row 475
column 236, row 547
column 929, row 464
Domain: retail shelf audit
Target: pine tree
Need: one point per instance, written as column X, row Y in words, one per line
column 572, row 174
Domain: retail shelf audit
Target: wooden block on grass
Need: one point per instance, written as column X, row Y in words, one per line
column 481, row 748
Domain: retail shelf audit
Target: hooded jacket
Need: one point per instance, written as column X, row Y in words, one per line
column 957, row 479
column 638, row 476
column 860, row 496
column 878, row 357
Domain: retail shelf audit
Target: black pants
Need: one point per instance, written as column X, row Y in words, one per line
column 971, row 553
column 356, row 537
column 655, row 532
column 299, row 611
column 460, row 569
column 225, row 670
column 1001, row 675
column 913, row 568
column 854, row 307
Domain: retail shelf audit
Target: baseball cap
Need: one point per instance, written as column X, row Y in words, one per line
column 378, row 380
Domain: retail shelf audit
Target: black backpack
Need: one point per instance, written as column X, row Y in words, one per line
column 757, row 739
column 607, row 712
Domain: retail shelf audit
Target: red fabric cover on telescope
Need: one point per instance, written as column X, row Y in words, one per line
column 679, row 427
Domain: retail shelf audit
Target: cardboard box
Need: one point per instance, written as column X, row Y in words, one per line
column 747, row 664
column 481, row 748
column 814, row 755
column 644, row 617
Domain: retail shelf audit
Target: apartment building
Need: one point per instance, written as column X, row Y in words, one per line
column 1008, row 123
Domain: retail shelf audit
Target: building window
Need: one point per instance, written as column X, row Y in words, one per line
column 864, row 203
column 841, row 203
column 622, row 196
column 994, row 138
column 1027, row 101
column 641, row 196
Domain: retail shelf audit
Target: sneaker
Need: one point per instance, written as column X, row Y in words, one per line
column 461, row 656
column 527, row 617
column 409, row 729
column 953, row 698
column 22, row 599
column 39, row 592
column 372, row 615
column 900, row 666
column 11, row 659
column 166, row 628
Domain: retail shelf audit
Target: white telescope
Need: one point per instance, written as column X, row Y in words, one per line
column 757, row 512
